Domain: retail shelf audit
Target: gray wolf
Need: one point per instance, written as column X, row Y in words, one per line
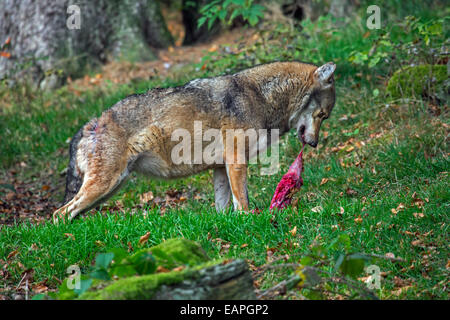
column 135, row 133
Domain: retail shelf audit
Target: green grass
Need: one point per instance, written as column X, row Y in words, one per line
column 399, row 160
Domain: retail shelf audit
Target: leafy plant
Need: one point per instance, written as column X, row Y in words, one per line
column 328, row 269
column 228, row 10
column 411, row 41
column 109, row 266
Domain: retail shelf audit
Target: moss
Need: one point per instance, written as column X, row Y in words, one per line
column 144, row 287
column 176, row 252
column 416, row 81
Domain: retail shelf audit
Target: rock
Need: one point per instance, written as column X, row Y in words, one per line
column 193, row 276
column 430, row 81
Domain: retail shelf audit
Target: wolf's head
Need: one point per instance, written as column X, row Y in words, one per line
column 316, row 105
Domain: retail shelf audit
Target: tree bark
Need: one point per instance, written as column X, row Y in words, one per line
column 41, row 43
column 232, row 281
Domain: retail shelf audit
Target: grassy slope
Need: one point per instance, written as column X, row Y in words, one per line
column 399, row 156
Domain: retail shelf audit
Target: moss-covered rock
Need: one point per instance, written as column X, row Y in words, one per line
column 198, row 278
column 418, row 81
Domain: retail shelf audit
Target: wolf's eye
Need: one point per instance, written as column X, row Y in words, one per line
column 321, row 114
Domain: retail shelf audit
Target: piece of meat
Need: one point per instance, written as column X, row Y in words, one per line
column 289, row 184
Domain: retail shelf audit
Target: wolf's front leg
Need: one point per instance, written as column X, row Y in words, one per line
column 222, row 191
column 237, row 176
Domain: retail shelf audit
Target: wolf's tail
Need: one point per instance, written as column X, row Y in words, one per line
column 74, row 179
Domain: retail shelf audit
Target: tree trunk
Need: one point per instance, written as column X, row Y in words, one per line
column 343, row 8
column 41, row 42
column 191, row 15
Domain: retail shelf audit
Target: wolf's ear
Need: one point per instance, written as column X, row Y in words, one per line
column 324, row 73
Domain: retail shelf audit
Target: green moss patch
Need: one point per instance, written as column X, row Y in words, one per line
column 177, row 252
column 418, row 81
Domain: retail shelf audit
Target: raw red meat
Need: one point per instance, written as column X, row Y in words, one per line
column 289, row 184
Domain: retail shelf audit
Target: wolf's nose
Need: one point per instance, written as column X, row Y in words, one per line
column 313, row 144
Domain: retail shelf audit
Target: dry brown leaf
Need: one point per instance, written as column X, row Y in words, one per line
column 351, row 192
column 144, row 238
column 146, row 197
column 418, row 215
column 390, row 255
column 12, row 254
column 180, row 268
column 69, row 236
column 162, row 269
column 401, row 290
column 317, row 209
column 40, row 288
column 293, row 232
column 4, row 54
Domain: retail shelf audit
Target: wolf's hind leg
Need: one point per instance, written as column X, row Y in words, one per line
column 94, row 190
column 222, row 191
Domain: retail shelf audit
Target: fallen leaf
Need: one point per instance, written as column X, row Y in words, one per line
column 69, row 235
column 40, row 288
column 4, row 54
column 144, row 238
column 146, row 197
column 401, row 290
column 390, row 255
column 162, row 269
column 12, row 254
column 293, row 232
column 351, row 192
column 418, row 215
column 324, row 180
column 180, row 268
column 213, row 48
column 317, row 209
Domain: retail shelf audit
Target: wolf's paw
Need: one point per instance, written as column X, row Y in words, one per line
column 59, row 216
